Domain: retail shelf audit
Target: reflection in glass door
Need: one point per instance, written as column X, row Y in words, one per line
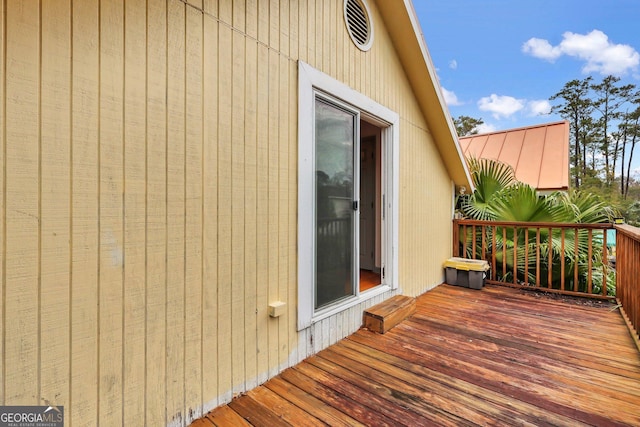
column 336, row 134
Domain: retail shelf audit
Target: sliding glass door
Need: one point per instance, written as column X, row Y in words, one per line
column 336, row 142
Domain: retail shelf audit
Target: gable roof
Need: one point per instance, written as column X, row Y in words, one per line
column 403, row 27
column 539, row 154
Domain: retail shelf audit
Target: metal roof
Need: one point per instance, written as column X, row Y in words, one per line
column 539, row 154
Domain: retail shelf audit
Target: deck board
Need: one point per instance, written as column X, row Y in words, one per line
column 499, row 356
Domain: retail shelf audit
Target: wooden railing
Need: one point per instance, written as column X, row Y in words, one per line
column 628, row 276
column 572, row 259
column 329, row 227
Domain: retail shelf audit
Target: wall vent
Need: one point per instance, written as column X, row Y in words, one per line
column 358, row 22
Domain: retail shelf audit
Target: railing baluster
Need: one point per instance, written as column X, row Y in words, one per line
column 576, row 261
column 605, row 263
column 526, row 256
column 473, row 241
column 484, row 242
column 538, row 256
column 562, row 266
column 456, row 238
column 515, row 255
column 493, row 254
column 464, row 240
column 504, row 251
column 590, row 264
column 550, row 259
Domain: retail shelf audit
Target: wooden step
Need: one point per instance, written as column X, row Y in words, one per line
column 384, row 316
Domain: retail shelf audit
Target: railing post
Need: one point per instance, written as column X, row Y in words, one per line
column 456, row 237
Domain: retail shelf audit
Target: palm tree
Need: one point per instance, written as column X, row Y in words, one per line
column 500, row 197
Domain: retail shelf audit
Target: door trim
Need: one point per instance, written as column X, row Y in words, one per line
column 311, row 81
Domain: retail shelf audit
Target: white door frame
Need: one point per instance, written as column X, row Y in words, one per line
column 310, row 82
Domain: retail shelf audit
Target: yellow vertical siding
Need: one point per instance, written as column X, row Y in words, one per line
column 111, row 213
column 225, row 193
column 156, row 215
column 22, row 208
column 237, row 212
column 250, row 183
column 264, row 334
column 84, row 213
column 149, row 211
column 210, row 286
column 176, row 209
column 135, row 146
column 193, row 211
column 55, row 129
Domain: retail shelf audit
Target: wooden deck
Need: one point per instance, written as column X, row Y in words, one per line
column 499, row 356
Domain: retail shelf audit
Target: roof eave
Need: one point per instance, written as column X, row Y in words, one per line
column 404, row 29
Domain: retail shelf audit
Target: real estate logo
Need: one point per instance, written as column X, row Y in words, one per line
column 31, row 416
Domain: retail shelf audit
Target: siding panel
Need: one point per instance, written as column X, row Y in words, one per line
column 111, row 174
column 22, row 227
column 134, row 212
column 193, row 213
column 156, row 211
column 224, row 332
column 250, row 211
column 55, row 198
column 262, row 217
column 273, row 208
column 283, row 204
column 210, row 218
column 176, row 209
column 238, row 286
column 85, row 209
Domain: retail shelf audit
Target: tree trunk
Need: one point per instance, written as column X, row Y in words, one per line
column 624, row 141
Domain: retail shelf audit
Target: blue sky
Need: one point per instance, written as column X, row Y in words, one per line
column 501, row 60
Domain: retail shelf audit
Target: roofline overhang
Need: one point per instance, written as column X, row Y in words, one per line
column 404, row 29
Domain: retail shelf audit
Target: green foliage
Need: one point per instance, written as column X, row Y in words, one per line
column 500, row 197
column 582, row 207
column 520, row 202
column 466, row 125
column 489, row 177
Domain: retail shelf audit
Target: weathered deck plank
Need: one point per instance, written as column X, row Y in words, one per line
column 499, row 356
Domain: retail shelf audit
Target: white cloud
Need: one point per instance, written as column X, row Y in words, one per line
column 500, row 105
column 594, row 48
column 540, row 48
column 450, row 98
column 540, row 107
column 486, row 128
column 453, row 64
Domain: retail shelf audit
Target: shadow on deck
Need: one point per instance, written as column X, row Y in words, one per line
column 499, row 356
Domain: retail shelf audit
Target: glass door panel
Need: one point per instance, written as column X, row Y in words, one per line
column 335, row 144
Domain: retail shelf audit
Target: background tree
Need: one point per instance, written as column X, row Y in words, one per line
column 576, row 107
column 466, row 125
column 610, row 97
column 630, row 133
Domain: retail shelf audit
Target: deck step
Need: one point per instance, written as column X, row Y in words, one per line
column 384, row 316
